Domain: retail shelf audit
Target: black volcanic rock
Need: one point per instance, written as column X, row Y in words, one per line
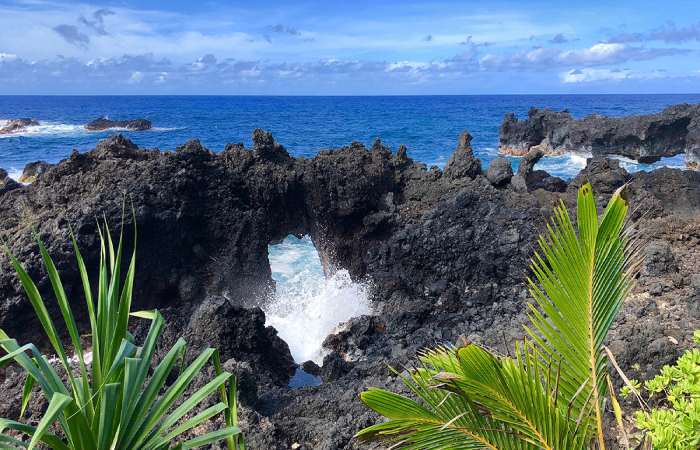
column 103, row 123
column 646, row 138
column 444, row 255
column 33, row 170
column 16, row 125
column 499, row 172
column 462, row 162
column 7, row 183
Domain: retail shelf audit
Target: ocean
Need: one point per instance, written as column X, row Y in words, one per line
column 428, row 126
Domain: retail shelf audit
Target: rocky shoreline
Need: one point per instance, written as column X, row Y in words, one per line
column 445, row 252
column 646, row 138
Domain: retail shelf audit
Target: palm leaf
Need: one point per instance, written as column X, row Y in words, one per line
column 550, row 395
column 580, row 283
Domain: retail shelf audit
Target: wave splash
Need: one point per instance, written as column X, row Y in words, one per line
column 45, row 128
column 308, row 306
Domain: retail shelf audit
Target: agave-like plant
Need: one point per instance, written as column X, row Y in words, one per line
column 112, row 395
column 550, row 394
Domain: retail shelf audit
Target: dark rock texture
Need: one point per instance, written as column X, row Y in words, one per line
column 33, row 170
column 647, row 138
column 445, row 254
column 500, row 172
column 16, row 125
column 103, row 123
column 7, row 183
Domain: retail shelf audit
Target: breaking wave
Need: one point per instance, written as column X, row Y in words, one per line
column 308, row 305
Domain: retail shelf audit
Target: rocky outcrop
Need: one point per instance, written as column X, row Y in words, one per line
column 7, row 183
column 103, row 123
column 16, row 125
column 646, row 138
column 445, row 253
column 500, row 172
column 462, row 162
column 33, row 170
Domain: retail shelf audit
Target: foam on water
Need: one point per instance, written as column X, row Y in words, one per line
column 674, row 162
column 565, row 166
column 569, row 165
column 47, row 128
column 308, row 306
column 14, row 173
column 66, row 129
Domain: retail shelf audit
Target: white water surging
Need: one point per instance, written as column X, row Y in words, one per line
column 308, row 306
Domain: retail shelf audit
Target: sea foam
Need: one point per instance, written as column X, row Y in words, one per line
column 308, row 305
column 46, row 128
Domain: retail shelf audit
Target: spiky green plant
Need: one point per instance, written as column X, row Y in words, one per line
column 112, row 395
column 550, row 395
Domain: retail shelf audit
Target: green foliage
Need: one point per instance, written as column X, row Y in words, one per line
column 675, row 425
column 550, row 395
column 112, row 394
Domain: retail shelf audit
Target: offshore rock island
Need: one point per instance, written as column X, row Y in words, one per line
column 646, row 138
column 443, row 252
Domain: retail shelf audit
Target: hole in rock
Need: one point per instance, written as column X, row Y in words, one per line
column 308, row 305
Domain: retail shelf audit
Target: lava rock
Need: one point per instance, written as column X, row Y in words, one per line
column 645, row 138
column 104, row 123
column 16, row 125
column 443, row 254
column 33, row 170
column 500, row 172
column 462, row 162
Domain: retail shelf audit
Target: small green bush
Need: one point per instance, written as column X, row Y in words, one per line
column 676, row 424
column 113, row 395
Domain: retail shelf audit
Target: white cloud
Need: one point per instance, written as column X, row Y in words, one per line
column 591, row 75
column 136, row 77
column 542, row 58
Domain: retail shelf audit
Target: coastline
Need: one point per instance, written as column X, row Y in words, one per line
column 443, row 250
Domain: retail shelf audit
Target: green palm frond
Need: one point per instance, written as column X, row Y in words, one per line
column 550, row 395
column 580, row 283
column 114, row 394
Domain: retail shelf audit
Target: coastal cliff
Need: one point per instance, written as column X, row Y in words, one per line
column 646, row 138
column 444, row 251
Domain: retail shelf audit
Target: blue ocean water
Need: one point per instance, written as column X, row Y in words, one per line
column 427, row 125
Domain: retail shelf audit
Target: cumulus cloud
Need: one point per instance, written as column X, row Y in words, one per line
column 147, row 69
column 97, row 24
column 136, row 77
column 668, row 32
column 542, row 58
column 591, row 75
column 72, row 35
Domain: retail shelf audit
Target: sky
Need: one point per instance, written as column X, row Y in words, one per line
column 335, row 47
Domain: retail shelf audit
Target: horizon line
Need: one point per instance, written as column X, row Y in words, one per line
column 355, row 95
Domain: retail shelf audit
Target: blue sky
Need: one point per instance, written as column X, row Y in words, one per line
column 336, row 47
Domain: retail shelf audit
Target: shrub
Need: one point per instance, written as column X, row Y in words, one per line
column 551, row 394
column 676, row 424
column 112, row 395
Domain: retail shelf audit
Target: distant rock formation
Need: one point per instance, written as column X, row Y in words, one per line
column 646, row 138
column 17, row 125
column 104, row 124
